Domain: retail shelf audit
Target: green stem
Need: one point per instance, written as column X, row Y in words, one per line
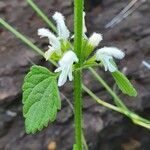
column 78, row 15
column 42, row 15
column 78, row 109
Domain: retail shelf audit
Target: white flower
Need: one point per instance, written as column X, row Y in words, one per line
column 83, row 24
column 62, row 29
column 95, row 39
column 65, row 66
column 106, row 54
column 54, row 41
column 55, row 45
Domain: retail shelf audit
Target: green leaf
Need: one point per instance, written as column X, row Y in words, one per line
column 124, row 84
column 41, row 98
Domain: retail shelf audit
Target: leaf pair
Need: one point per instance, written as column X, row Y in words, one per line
column 40, row 98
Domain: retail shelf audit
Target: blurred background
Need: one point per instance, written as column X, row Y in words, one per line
column 104, row 129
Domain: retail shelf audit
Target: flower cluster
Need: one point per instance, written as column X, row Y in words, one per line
column 59, row 46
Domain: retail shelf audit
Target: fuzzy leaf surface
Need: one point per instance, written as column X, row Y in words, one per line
column 41, row 99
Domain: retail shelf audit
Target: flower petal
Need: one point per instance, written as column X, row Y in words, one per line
column 58, row 69
column 84, row 26
column 95, row 39
column 63, row 31
column 43, row 32
column 65, row 64
column 62, row 79
column 108, row 65
column 53, row 40
column 106, row 61
column 69, row 58
column 70, row 74
column 112, row 51
column 49, row 52
column 63, row 76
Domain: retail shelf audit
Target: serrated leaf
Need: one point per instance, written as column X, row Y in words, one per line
column 124, row 84
column 41, row 98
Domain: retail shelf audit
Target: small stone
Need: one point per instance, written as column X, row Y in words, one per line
column 52, row 145
column 131, row 145
column 11, row 113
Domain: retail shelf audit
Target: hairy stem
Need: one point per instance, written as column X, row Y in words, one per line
column 78, row 109
column 78, row 15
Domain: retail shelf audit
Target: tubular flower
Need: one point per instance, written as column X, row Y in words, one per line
column 95, row 39
column 106, row 54
column 65, row 67
column 63, row 32
column 54, row 41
